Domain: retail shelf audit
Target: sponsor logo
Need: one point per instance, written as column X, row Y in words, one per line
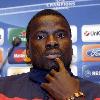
column 94, row 52
column 19, row 56
column 91, row 33
column 1, row 36
column 74, row 33
column 61, row 4
column 16, row 32
column 91, row 72
column 91, row 53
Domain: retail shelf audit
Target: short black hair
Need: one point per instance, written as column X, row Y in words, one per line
column 44, row 13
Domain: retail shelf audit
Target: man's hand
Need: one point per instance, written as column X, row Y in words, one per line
column 60, row 84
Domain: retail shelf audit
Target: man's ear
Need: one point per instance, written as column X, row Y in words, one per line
column 27, row 49
column 28, row 58
column 28, row 52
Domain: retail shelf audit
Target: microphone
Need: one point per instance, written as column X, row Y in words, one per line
column 16, row 42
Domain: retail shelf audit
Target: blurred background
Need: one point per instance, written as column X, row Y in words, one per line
column 84, row 19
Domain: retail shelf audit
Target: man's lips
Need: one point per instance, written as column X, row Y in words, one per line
column 53, row 56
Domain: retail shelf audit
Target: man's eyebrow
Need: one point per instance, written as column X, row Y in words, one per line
column 62, row 30
column 35, row 33
column 42, row 31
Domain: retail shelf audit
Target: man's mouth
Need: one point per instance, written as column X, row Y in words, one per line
column 53, row 54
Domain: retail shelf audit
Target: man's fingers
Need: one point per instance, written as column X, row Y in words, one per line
column 48, row 87
column 60, row 63
column 49, row 78
column 44, row 85
column 53, row 72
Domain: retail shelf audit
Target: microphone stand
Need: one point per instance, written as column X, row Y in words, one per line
column 9, row 53
column 16, row 42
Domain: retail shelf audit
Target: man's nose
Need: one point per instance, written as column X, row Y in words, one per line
column 51, row 42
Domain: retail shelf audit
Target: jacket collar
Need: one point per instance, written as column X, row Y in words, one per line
column 38, row 75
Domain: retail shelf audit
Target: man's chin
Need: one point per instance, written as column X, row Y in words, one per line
column 52, row 65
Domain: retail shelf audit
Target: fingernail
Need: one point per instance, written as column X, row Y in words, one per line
column 56, row 58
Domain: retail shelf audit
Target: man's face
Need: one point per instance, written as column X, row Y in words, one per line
column 49, row 39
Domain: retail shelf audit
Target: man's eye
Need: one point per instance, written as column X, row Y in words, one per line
column 61, row 35
column 40, row 36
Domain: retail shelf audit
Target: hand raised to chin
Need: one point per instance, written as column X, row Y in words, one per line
column 60, row 84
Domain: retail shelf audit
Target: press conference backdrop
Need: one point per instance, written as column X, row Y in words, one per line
column 84, row 19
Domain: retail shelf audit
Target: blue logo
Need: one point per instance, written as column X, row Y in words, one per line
column 94, row 52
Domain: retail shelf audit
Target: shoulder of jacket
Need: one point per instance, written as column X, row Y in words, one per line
column 19, row 77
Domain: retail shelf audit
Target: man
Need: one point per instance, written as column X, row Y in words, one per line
column 49, row 46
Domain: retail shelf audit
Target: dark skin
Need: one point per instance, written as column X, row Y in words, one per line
column 61, row 85
column 50, row 47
